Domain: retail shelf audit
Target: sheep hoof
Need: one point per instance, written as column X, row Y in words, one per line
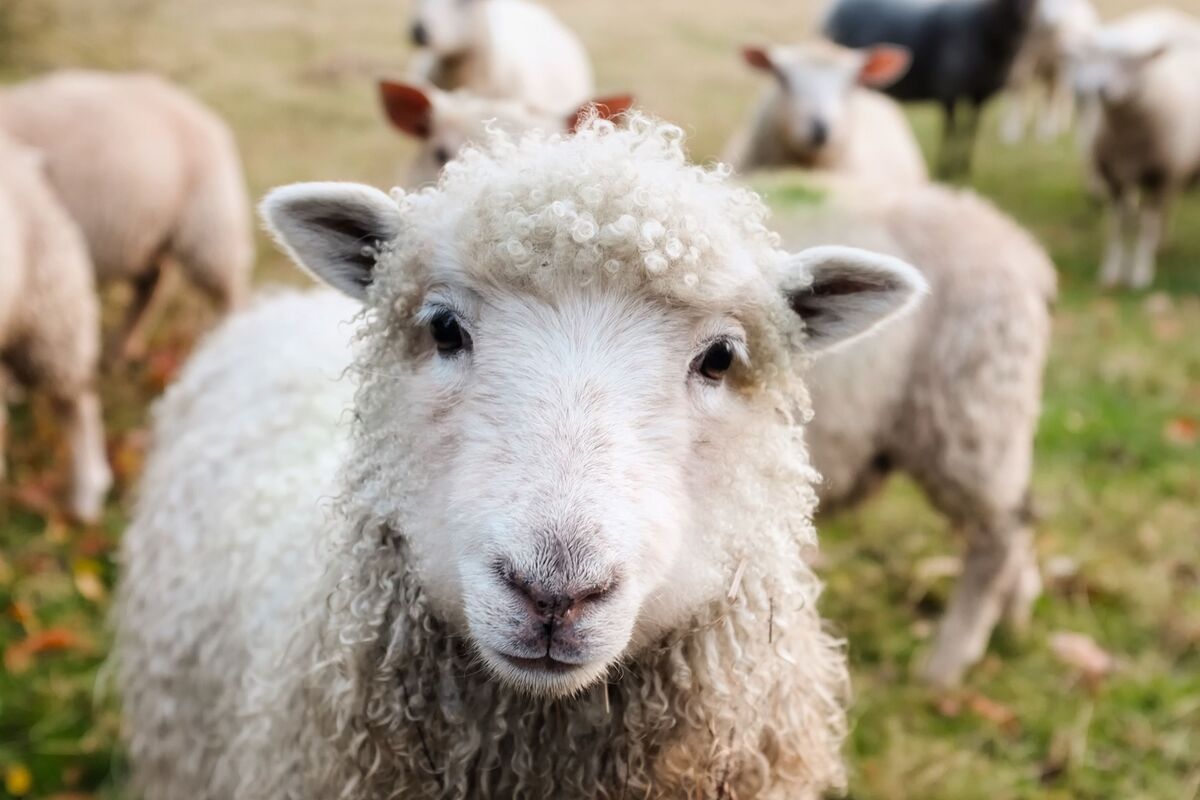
column 87, row 500
column 944, row 670
column 1018, row 611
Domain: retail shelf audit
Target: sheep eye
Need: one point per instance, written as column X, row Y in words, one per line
column 448, row 334
column 442, row 156
column 716, row 361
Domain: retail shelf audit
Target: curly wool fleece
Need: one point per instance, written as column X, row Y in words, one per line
column 375, row 695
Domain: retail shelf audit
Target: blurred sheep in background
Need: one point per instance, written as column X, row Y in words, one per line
column 445, row 122
column 509, row 49
column 821, row 113
column 950, row 394
column 1040, row 87
column 50, row 319
column 1143, row 73
column 150, row 175
column 962, row 51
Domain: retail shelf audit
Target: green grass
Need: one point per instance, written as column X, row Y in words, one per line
column 1118, row 466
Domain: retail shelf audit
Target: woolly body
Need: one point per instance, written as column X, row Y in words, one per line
column 166, row 167
column 950, row 394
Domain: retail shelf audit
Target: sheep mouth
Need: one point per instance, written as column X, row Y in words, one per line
column 545, row 663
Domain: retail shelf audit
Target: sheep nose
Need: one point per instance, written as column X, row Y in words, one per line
column 559, row 606
column 820, row 132
column 420, row 36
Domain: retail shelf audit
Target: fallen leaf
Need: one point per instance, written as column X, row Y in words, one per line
column 1080, row 651
column 937, row 567
column 86, row 573
column 948, row 705
column 22, row 612
column 36, row 496
column 994, row 712
column 126, row 455
column 17, row 780
column 1181, row 431
column 18, row 658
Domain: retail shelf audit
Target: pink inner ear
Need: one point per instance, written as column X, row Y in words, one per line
column 409, row 109
column 884, row 66
column 758, row 58
column 609, row 107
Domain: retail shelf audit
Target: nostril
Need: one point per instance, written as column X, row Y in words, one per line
column 820, row 132
column 564, row 606
column 420, row 37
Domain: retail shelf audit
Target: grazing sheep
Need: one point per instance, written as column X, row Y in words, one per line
column 506, row 49
column 817, row 114
column 445, row 122
column 962, row 51
column 50, row 318
column 1141, row 71
column 150, row 175
column 951, row 394
column 567, row 554
column 1040, row 86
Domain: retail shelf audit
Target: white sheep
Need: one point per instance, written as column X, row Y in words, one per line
column 820, row 113
column 50, row 318
column 1040, row 86
column 150, row 175
column 502, row 49
column 445, row 122
column 1141, row 71
column 951, row 394
column 564, row 554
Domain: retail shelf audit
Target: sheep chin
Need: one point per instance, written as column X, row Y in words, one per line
column 543, row 678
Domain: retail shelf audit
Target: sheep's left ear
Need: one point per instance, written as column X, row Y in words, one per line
column 842, row 293
column 602, row 108
column 408, row 107
column 333, row 230
column 883, row 65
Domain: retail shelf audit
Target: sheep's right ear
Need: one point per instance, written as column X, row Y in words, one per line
column 883, row 65
column 333, row 230
column 842, row 293
column 408, row 107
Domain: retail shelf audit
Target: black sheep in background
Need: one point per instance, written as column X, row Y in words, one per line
column 962, row 52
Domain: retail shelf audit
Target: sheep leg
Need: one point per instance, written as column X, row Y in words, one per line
column 1060, row 106
column 1121, row 218
column 146, row 298
column 970, row 131
column 91, row 477
column 994, row 562
column 1019, row 103
column 946, row 156
column 1150, row 224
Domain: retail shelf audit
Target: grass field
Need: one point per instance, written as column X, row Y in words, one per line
column 1118, row 459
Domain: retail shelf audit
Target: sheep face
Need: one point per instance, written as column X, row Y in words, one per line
column 1110, row 68
column 446, row 27
column 572, row 340
column 815, row 81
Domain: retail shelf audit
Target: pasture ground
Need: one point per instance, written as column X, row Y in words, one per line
column 1118, row 459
